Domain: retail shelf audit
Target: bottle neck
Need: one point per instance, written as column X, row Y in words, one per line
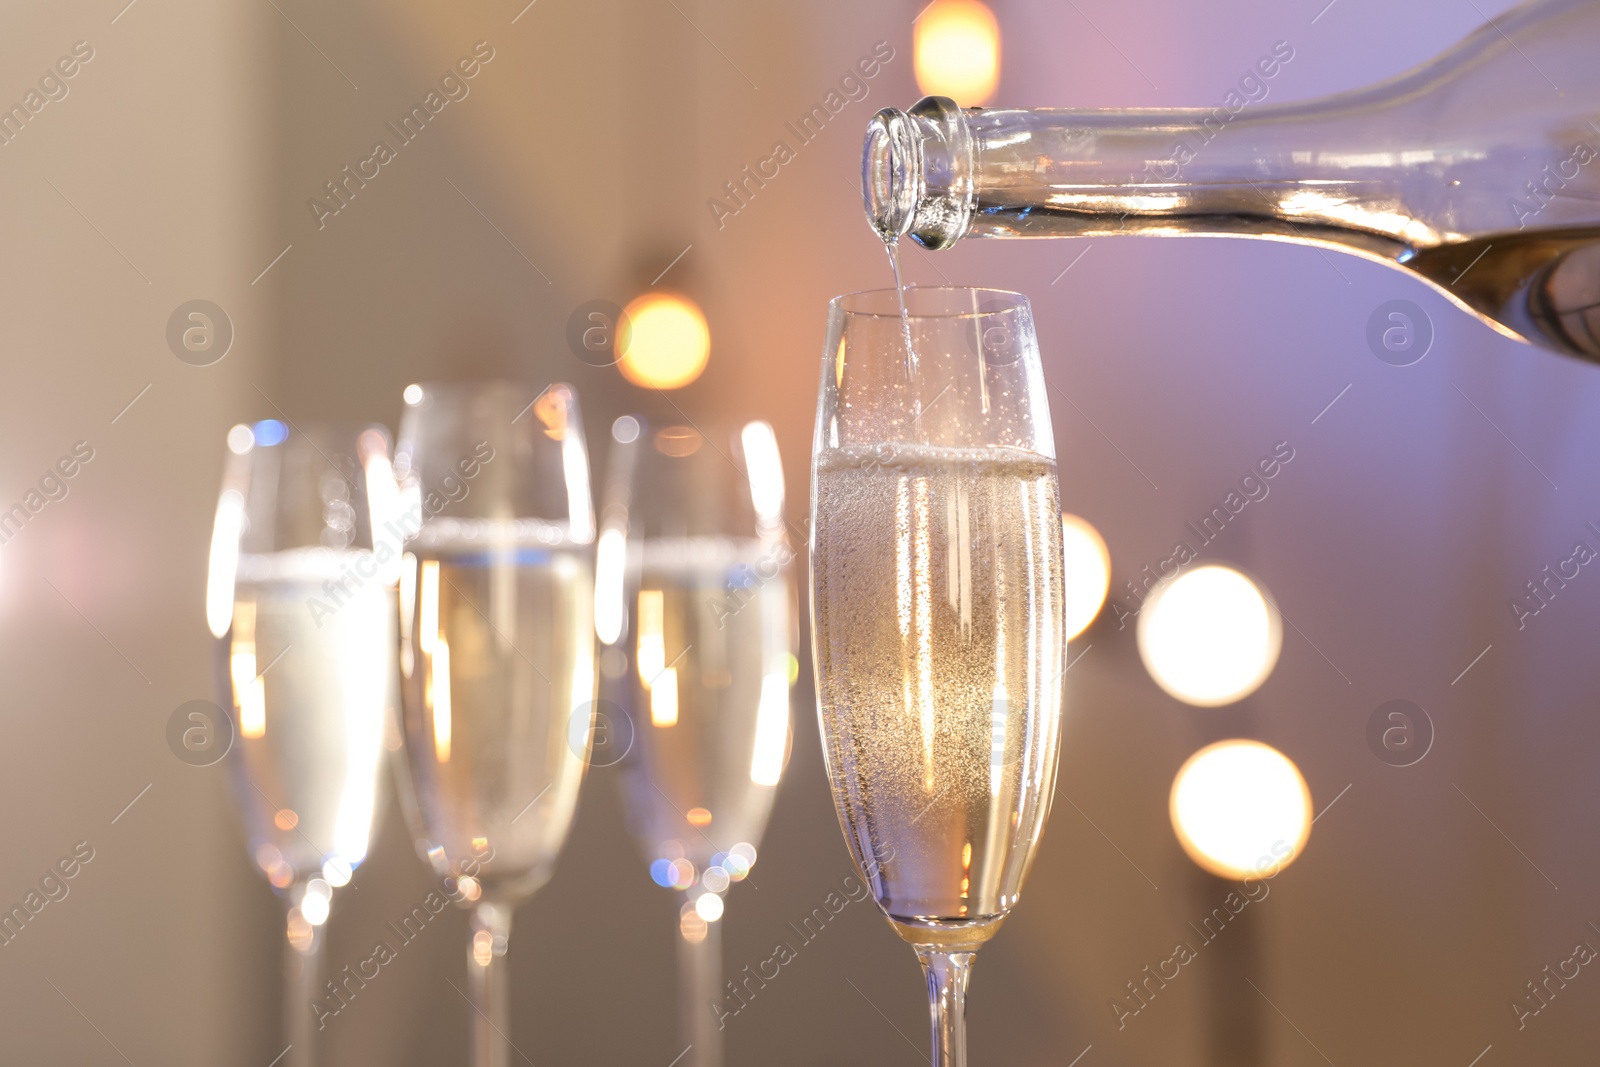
column 937, row 173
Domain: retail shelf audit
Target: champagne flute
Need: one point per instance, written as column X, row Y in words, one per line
column 497, row 652
column 701, row 597
column 936, row 619
column 300, row 597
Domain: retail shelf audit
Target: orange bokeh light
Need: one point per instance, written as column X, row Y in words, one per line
column 669, row 341
column 958, row 51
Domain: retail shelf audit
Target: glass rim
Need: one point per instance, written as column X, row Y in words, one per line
column 705, row 427
column 312, row 430
column 842, row 302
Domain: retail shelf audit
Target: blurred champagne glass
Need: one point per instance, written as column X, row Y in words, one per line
column 497, row 651
column 300, row 597
column 694, row 594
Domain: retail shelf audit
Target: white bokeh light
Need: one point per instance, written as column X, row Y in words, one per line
column 314, row 905
column 1210, row 637
column 1241, row 809
column 1087, row 565
column 708, row 906
column 240, row 440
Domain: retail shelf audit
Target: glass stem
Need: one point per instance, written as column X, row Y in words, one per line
column 699, row 993
column 302, row 970
column 487, row 984
column 947, row 974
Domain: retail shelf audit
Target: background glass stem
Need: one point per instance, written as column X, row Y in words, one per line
column 947, row 974
column 699, row 989
column 302, row 973
column 487, row 979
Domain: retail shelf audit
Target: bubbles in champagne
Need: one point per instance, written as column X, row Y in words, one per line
column 939, row 644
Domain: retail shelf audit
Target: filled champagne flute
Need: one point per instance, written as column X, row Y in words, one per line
column 936, row 613
column 301, row 599
column 694, row 598
column 496, row 653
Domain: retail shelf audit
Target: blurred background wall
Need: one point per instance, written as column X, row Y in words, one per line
column 179, row 166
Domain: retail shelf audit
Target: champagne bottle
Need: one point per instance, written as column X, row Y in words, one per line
column 1478, row 171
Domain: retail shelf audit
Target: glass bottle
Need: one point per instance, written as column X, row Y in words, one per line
column 1477, row 171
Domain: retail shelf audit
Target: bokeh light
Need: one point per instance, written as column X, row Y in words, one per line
column 708, row 906
column 268, row 856
column 314, row 905
column 337, row 871
column 300, row 931
column 625, row 430
column 765, row 468
column 735, row 863
column 269, row 432
column 957, row 45
column 1087, row 564
column 1210, row 637
column 240, row 439
column 691, row 926
column 772, row 730
column 482, row 947
column 670, row 342
column 610, row 566
column 1241, row 809
column 682, row 874
column 223, row 561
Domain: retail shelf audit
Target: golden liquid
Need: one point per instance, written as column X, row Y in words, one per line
column 939, row 643
column 712, row 622
column 312, row 681
column 497, row 690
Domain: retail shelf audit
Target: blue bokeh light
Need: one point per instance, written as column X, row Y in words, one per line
column 269, row 432
column 663, row 874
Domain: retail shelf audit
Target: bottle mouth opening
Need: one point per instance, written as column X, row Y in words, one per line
column 888, row 174
column 916, row 173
